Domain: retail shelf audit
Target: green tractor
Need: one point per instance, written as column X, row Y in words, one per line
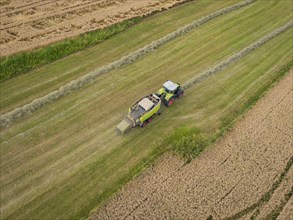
column 143, row 111
column 170, row 92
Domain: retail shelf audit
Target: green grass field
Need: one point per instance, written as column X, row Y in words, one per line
column 66, row 159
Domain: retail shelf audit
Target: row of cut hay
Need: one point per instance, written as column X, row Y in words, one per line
column 217, row 68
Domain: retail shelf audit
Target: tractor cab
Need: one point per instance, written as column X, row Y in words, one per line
column 170, row 92
column 170, row 87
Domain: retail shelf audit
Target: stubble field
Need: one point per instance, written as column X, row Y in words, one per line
column 26, row 25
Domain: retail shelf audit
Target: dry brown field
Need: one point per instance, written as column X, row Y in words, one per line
column 28, row 24
column 246, row 174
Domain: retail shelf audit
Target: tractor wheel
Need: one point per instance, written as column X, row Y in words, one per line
column 181, row 94
column 170, row 102
column 143, row 124
column 150, row 120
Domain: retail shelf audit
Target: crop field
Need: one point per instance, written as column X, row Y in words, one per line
column 26, row 25
column 60, row 155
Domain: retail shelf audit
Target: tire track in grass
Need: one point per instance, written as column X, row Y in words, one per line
column 8, row 118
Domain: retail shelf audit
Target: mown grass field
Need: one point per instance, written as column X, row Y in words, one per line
column 25, row 88
column 65, row 159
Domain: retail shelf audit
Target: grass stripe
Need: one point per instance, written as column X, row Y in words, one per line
column 216, row 69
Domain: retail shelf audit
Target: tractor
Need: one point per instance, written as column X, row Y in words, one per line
column 142, row 111
column 170, row 92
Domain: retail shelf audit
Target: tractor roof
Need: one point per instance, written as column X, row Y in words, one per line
column 146, row 104
column 170, row 85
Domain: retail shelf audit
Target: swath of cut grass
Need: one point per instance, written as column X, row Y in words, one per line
column 198, row 79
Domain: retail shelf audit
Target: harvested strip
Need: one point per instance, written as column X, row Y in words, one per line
column 10, row 117
column 278, row 200
column 216, row 69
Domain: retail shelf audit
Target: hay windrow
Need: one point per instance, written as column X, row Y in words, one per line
column 216, row 69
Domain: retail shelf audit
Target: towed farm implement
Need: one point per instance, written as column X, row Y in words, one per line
column 142, row 111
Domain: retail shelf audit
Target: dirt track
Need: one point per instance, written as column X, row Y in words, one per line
column 228, row 180
column 25, row 25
